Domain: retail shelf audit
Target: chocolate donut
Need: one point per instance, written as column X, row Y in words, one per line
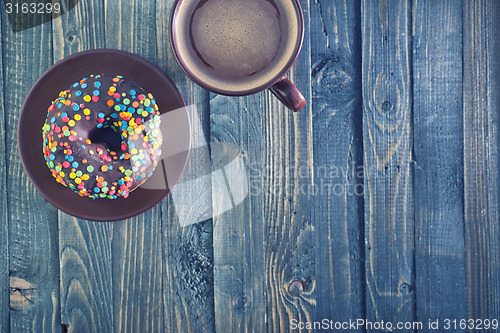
column 101, row 137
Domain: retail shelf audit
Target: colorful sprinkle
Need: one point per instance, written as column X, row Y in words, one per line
column 131, row 112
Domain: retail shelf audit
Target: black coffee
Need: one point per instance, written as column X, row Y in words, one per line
column 236, row 45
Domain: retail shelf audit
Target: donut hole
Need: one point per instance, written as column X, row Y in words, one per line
column 106, row 136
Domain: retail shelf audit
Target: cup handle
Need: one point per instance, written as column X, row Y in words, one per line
column 288, row 94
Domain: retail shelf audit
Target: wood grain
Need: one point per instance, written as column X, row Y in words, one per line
column 289, row 233
column 33, row 254
column 239, row 265
column 86, row 276
column 84, row 246
column 379, row 200
column 137, row 246
column 387, row 138
column 438, row 165
column 4, row 226
column 188, row 280
column 130, row 26
column 338, row 160
column 81, row 28
column 137, row 273
column 187, row 274
column 481, row 164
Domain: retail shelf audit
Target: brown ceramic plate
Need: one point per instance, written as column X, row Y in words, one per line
column 62, row 75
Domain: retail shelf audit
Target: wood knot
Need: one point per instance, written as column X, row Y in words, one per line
column 240, row 302
column 22, row 293
column 405, row 288
column 71, row 36
column 296, row 288
column 388, row 101
column 386, row 106
column 335, row 79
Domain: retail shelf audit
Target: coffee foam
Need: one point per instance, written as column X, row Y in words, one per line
column 241, row 40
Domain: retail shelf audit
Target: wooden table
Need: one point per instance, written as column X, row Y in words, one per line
column 379, row 200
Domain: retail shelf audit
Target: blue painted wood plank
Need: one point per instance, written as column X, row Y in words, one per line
column 289, row 232
column 438, row 166
column 85, row 260
column 4, row 226
column 239, row 266
column 481, row 163
column 32, row 221
column 387, row 142
column 338, row 159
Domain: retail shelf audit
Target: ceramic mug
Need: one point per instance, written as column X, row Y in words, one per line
column 239, row 47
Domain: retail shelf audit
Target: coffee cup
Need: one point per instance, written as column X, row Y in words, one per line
column 239, row 47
